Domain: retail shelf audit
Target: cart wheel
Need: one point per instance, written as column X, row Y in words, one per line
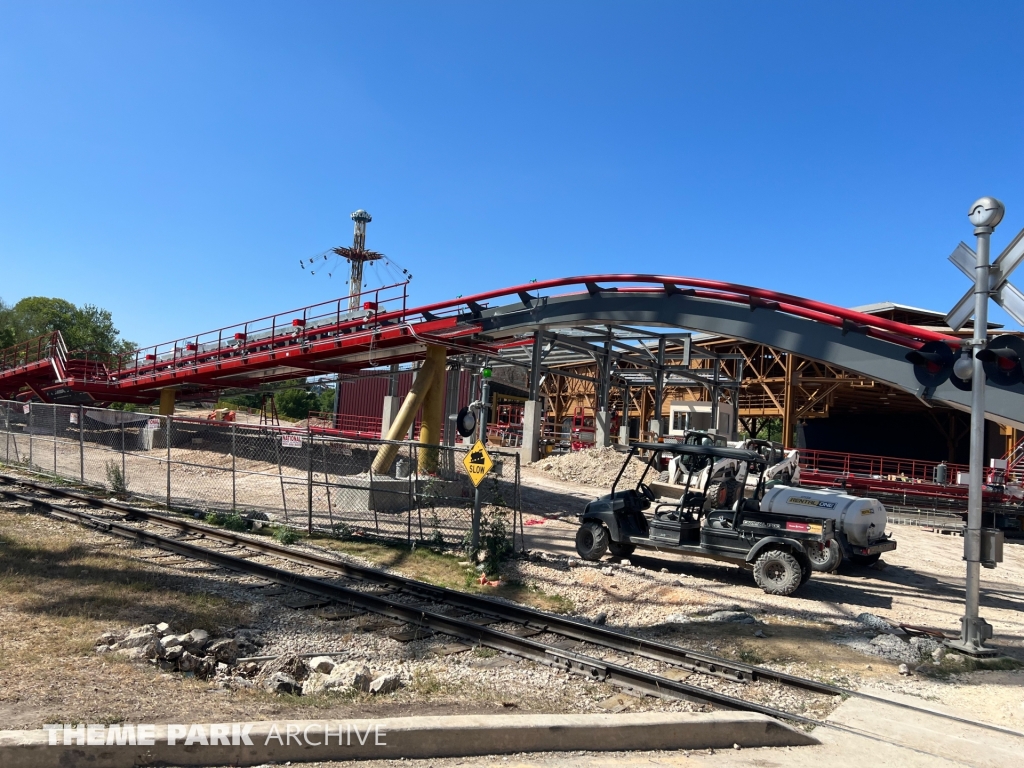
column 865, row 560
column 592, row 541
column 778, row 572
column 805, row 574
column 618, row 549
column 824, row 557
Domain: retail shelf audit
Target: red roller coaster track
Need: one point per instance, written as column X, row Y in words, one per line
column 327, row 338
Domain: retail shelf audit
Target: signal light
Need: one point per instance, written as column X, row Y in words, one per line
column 465, row 423
column 933, row 363
column 1002, row 359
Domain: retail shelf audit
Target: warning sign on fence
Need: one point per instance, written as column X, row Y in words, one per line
column 153, row 424
column 73, row 417
column 478, row 463
column 291, row 441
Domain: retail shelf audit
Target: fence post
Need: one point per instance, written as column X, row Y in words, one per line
column 309, row 478
column 124, row 459
column 54, row 407
column 233, row 509
column 518, row 512
column 81, row 443
column 31, row 411
column 167, row 439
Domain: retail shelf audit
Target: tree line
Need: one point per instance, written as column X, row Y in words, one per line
column 86, row 328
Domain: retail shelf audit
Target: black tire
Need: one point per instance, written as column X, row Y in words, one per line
column 721, row 494
column 805, row 576
column 824, row 559
column 865, row 560
column 778, row 572
column 618, row 549
column 592, row 541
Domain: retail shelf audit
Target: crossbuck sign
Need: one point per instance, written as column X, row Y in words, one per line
column 1002, row 292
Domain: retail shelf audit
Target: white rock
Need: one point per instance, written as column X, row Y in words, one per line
column 938, row 655
column 163, row 628
column 174, row 652
column 904, row 669
column 137, row 640
column 385, row 684
column 279, row 682
column 324, row 664
column 198, row 638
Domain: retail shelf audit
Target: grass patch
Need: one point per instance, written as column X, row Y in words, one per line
column 440, row 569
column 750, row 656
column 62, row 594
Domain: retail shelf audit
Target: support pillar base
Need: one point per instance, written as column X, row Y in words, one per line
column 533, row 417
column 973, row 634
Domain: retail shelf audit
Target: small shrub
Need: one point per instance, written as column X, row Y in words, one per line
column 235, row 522
column 215, row 518
column 436, row 539
column 286, row 535
column 495, row 543
column 344, row 531
column 118, row 482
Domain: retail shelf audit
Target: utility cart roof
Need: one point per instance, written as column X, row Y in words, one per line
column 740, row 454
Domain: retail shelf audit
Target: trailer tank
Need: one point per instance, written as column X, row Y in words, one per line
column 860, row 523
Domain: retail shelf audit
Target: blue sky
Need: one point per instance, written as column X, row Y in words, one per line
column 173, row 162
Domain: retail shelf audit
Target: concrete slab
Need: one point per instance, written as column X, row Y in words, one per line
column 397, row 738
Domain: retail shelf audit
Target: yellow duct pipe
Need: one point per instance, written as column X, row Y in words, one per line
column 433, row 411
column 167, row 401
column 407, row 413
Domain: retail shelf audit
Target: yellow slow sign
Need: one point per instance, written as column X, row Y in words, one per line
column 478, row 463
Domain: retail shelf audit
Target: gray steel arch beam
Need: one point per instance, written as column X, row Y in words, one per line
column 854, row 352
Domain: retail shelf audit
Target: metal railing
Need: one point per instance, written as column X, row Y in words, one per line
column 296, row 327
column 876, row 467
column 287, row 475
column 40, row 349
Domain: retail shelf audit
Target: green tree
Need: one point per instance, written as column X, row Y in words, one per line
column 7, row 335
column 85, row 328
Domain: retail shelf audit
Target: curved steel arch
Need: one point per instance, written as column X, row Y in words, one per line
column 850, row 349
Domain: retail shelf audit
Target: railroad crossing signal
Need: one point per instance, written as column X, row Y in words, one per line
column 478, row 463
column 1003, row 293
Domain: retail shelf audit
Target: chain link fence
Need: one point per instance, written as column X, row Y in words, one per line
column 288, row 476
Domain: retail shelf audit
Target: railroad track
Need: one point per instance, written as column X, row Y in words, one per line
column 414, row 602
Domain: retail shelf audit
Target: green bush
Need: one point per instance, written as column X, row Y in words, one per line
column 286, row 535
column 118, row 482
column 215, row 518
column 495, row 542
column 235, row 522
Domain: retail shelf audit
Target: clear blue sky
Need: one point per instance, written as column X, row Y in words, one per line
column 172, row 162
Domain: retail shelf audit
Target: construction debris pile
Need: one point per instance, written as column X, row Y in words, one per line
column 196, row 654
column 592, row 466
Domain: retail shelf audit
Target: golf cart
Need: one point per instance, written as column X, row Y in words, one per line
column 773, row 544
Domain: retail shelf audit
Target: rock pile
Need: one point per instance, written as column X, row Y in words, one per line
column 593, row 466
column 196, row 654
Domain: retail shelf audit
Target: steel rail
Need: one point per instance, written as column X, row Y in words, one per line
column 476, row 604
column 524, row 647
column 561, row 625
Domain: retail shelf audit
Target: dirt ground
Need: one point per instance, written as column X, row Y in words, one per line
column 66, row 585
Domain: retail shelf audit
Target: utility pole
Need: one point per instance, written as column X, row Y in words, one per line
column 985, row 215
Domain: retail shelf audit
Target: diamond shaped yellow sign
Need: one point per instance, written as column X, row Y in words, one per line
column 478, row 463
